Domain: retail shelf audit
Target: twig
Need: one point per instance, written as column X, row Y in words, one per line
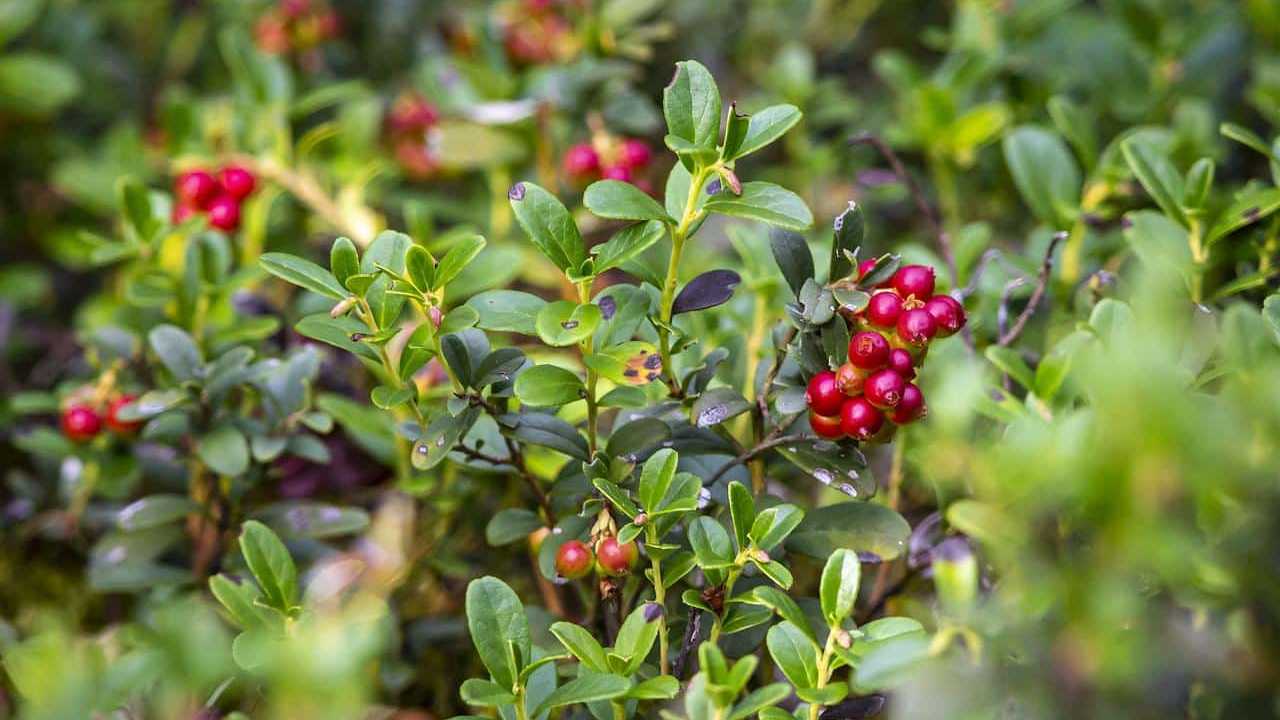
column 1037, row 295
column 691, row 636
column 762, row 399
column 305, row 187
column 771, row 441
column 928, row 211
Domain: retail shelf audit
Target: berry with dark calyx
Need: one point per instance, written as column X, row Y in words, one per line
column 196, row 188
column 574, row 559
column 224, row 213
column 884, row 388
column 237, row 181
column 860, row 419
column 884, row 309
column 616, row 172
column 917, row 280
column 615, row 558
column 581, row 161
column 916, row 327
column 823, row 394
column 115, row 423
column 901, row 362
column 850, row 378
column 911, row 407
column 825, row 426
column 869, row 350
column 81, row 423
column 947, row 313
column 634, row 154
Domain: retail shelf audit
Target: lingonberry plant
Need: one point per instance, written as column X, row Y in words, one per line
column 401, row 360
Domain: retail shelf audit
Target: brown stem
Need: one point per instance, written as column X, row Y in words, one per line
column 1046, row 267
column 917, row 193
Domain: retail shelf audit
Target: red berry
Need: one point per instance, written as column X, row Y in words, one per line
column 823, row 394
column 81, row 423
column 635, row 154
column 295, row 8
column 850, row 379
column 915, row 280
column 826, row 426
column 616, row 558
column 224, row 213
column 884, row 388
column 865, row 267
column 617, row 172
column 869, row 350
column 911, row 407
column 884, row 308
column 196, row 188
column 947, row 313
column 573, row 559
column 916, row 327
column 581, row 161
column 901, row 362
column 118, row 426
column 238, row 181
column 860, row 419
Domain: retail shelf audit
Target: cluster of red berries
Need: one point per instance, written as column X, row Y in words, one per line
column 536, row 32
column 892, row 335
column 296, row 26
column 407, row 123
column 609, row 158
column 611, row 558
column 219, row 198
column 83, row 421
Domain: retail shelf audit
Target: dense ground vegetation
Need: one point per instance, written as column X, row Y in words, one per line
column 639, row 358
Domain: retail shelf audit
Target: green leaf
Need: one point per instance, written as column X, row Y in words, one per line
column 710, row 543
column 1250, row 207
column 548, row 386
column 1158, row 176
column 499, row 366
column 547, row 431
column 485, row 693
column 829, row 695
column 891, row 662
column 344, row 261
column 781, row 603
column 588, row 687
column 1157, row 241
column 508, row 311
column 1011, row 363
column 626, row 244
column 304, row 273
column 849, row 233
column 838, row 589
column 791, row 253
column 239, row 598
column 765, row 202
column 1198, row 183
column 565, row 322
column 463, row 351
column 717, row 405
column 636, row 636
column 631, row 363
column 1045, row 174
column 224, row 450
column 582, row 645
column 775, row 571
column 691, row 105
column 457, row 259
column 155, row 510
column 337, row 332
column 511, row 525
column 795, row 653
column 16, row 16
column 271, row 565
column 773, row 525
column 313, row 520
column 859, row 526
column 387, row 251
column 761, row 699
column 632, row 440
column 497, row 623
column 662, row 687
column 766, row 126
column 420, row 267
column 549, row 225
column 440, row 437
column 619, row 200
column 177, row 352
column 742, row 511
column 35, row 85
column 616, row 496
column 656, row 476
